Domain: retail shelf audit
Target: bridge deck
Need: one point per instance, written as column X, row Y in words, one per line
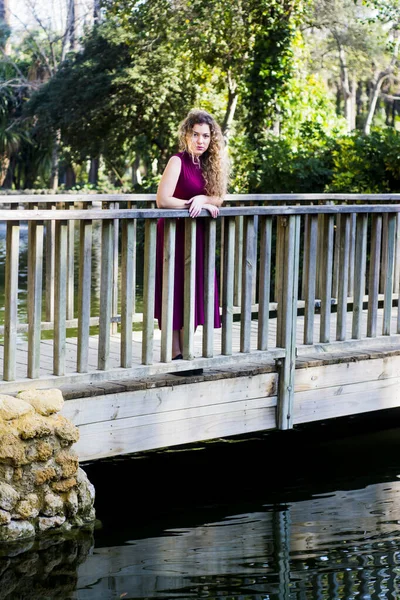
column 46, row 349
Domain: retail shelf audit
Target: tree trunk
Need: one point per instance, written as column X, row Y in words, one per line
column 230, row 109
column 5, row 19
column 94, row 170
column 55, row 162
column 4, row 163
column 346, row 91
column 136, row 176
column 373, row 101
column 8, row 181
column 96, row 12
column 70, row 179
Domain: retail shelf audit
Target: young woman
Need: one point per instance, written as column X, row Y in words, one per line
column 194, row 178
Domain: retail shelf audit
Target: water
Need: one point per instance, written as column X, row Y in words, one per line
column 311, row 513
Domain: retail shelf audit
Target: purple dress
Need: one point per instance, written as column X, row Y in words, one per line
column 190, row 183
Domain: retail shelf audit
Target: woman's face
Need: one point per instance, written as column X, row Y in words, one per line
column 199, row 139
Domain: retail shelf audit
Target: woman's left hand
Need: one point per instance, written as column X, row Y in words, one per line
column 213, row 210
column 196, row 204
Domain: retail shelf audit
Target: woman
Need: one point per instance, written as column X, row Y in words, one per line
column 194, row 178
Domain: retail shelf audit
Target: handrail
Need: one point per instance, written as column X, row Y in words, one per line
column 338, row 258
column 154, row 213
column 15, row 198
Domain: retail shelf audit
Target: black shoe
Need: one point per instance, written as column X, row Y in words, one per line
column 178, row 357
column 188, row 373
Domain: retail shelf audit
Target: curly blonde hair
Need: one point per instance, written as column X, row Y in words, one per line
column 213, row 161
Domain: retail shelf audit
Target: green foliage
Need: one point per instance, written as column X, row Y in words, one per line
column 369, row 164
column 270, row 66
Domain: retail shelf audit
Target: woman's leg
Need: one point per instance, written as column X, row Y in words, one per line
column 176, row 343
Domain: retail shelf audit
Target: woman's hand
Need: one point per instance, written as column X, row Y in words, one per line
column 196, row 204
column 213, row 210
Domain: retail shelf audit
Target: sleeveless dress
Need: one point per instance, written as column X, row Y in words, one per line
column 190, row 183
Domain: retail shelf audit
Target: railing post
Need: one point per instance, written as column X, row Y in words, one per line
column 35, row 269
column 359, row 273
column 227, row 286
column 84, row 293
column 70, row 264
column 60, row 297
column 149, row 274
column 106, row 289
column 50, row 227
column 11, row 301
column 326, row 279
column 209, row 287
column 289, row 234
column 128, row 243
column 168, row 289
column 248, row 273
column 189, row 288
column 373, row 279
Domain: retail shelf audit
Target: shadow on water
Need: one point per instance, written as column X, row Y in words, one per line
column 303, row 514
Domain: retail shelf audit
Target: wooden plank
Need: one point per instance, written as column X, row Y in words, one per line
column 255, row 282
column 84, row 293
column 106, row 288
column 114, row 296
column 388, row 291
column 350, row 288
column 346, row 400
column 306, row 240
column 227, row 286
column 149, row 274
column 384, row 246
column 168, row 289
column 237, row 294
column 209, row 288
column 248, row 271
column 344, row 258
column 150, row 198
column 396, row 280
column 265, row 226
column 346, row 373
column 359, row 274
column 189, row 289
column 373, row 281
column 147, row 402
column 286, row 210
column 326, row 285
column 310, row 264
column 35, row 270
column 70, row 265
column 336, row 256
column 103, row 439
column 287, row 306
column 60, row 297
column 11, row 301
column 128, row 243
column 221, row 262
column 49, row 273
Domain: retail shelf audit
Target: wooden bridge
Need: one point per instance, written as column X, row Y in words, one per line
column 309, row 288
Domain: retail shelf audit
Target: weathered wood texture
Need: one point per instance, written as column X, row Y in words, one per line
column 143, row 419
column 357, row 385
column 341, row 256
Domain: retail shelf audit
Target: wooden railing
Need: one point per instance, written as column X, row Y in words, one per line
column 285, row 262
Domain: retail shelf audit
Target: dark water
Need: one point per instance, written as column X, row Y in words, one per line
column 311, row 513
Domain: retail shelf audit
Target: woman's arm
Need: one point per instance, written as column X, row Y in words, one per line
column 167, row 185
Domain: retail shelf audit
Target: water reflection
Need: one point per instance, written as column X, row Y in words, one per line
column 233, row 520
column 339, row 546
column 43, row 569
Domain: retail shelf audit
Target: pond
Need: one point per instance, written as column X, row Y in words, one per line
column 312, row 513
